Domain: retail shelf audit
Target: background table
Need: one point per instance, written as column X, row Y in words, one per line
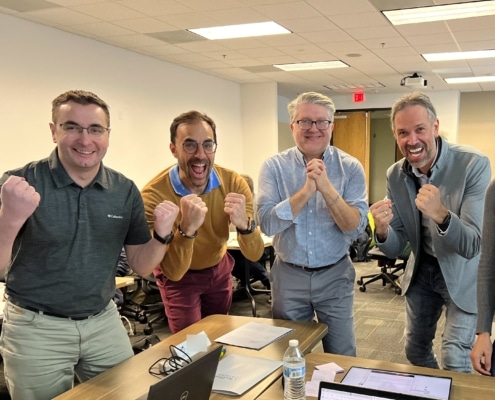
column 123, row 281
column 131, row 379
column 464, row 386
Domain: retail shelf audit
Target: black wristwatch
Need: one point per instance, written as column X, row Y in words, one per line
column 250, row 229
column 445, row 223
column 163, row 240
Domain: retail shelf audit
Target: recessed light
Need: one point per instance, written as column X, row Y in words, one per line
column 241, row 31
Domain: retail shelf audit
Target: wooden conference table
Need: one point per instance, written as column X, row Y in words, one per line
column 131, row 379
column 123, row 281
column 464, row 386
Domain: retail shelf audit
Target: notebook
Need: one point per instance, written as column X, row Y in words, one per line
column 341, row 391
column 428, row 386
column 192, row 382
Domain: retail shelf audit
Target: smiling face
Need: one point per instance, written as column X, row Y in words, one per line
column 311, row 142
column 194, row 169
column 80, row 153
column 416, row 134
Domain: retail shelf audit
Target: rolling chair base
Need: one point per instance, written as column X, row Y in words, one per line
column 388, row 272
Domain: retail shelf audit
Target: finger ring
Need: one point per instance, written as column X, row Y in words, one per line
column 386, row 213
column 228, row 204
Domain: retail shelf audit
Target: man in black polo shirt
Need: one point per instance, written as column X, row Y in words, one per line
column 63, row 222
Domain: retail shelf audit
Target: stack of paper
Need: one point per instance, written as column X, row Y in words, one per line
column 254, row 335
column 237, row 373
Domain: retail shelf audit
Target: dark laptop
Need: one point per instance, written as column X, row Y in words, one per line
column 341, row 391
column 191, row 382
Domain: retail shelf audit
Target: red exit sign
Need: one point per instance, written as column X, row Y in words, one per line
column 358, row 98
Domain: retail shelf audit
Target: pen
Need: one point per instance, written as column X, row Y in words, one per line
column 222, row 353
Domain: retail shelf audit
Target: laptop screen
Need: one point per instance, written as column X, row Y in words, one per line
column 340, row 391
column 192, row 381
column 436, row 387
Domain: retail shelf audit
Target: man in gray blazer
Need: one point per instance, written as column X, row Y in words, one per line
column 434, row 201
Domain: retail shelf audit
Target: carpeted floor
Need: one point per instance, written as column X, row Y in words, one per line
column 379, row 321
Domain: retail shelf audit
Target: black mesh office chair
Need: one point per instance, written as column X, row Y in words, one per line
column 144, row 304
column 389, row 269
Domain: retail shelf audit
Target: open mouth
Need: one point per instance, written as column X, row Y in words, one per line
column 416, row 152
column 198, row 170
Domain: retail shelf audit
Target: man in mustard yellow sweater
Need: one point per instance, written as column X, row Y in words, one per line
column 195, row 275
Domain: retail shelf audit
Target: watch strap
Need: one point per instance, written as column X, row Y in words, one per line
column 250, row 229
column 163, row 240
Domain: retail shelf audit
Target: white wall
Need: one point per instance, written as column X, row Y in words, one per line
column 259, row 115
column 38, row 63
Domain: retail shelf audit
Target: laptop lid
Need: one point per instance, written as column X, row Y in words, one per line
column 193, row 381
column 341, row 391
column 429, row 386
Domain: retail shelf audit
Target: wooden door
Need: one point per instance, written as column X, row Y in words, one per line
column 351, row 133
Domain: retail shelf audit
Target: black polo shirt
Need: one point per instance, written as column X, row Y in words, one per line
column 65, row 257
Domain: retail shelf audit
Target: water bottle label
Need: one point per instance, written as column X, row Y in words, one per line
column 295, row 372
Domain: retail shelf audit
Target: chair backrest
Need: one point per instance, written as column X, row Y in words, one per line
column 360, row 247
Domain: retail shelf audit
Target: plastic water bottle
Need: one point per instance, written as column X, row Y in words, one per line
column 294, row 366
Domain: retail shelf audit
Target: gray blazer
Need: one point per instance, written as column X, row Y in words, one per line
column 462, row 175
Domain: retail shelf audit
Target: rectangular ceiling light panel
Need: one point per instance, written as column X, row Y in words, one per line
column 440, row 13
column 459, row 55
column 471, row 79
column 241, row 31
column 311, row 65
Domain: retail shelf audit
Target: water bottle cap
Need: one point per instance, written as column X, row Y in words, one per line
column 293, row 342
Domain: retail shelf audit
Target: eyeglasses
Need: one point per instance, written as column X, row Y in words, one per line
column 191, row 146
column 308, row 124
column 94, row 130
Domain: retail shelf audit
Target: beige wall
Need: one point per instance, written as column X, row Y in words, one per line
column 382, row 156
column 477, row 123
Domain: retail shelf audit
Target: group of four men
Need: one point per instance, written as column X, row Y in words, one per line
column 65, row 219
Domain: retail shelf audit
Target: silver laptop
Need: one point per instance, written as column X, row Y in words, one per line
column 193, row 381
column 341, row 391
column 410, row 383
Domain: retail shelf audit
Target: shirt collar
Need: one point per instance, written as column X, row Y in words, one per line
column 62, row 178
column 181, row 190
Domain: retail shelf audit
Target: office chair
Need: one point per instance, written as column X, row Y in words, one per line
column 144, row 304
column 389, row 269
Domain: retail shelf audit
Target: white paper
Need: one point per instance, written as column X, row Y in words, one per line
column 253, row 335
column 313, row 386
column 191, row 345
column 237, row 373
column 331, row 366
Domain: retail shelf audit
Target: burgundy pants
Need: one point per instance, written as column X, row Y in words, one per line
column 197, row 295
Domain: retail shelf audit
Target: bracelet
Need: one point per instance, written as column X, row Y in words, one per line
column 335, row 201
column 186, row 235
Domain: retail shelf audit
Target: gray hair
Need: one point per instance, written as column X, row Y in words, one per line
column 413, row 99
column 312, row 98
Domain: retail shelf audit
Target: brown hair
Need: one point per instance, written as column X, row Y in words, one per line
column 80, row 97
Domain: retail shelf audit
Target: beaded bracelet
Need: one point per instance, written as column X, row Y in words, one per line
column 185, row 234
